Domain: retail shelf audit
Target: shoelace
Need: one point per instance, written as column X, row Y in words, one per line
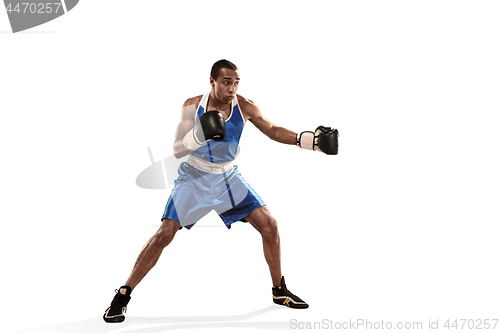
column 118, row 300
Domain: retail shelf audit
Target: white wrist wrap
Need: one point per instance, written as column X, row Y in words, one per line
column 190, row 141
column 305, row 140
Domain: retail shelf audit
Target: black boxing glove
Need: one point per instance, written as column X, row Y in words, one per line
column 324, row 139
column 328, row 140
column 210, row 126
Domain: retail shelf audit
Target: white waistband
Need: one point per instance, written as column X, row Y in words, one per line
column 209, row 167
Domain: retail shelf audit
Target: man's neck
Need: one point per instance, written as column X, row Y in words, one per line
column 215, row 103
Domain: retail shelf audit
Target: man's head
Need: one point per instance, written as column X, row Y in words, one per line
column 224, row 79
column 223, row 63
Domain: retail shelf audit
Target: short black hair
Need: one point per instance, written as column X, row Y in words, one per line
column 223, row 63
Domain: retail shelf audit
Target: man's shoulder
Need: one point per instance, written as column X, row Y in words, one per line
column 247, row 105
column 193, row 100
column 244, row 101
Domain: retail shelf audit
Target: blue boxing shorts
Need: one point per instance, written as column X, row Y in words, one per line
column 197, row 192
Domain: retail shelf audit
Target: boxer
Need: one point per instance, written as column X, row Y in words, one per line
column 209, row 132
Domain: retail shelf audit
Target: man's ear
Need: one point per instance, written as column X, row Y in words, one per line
column 212, row 81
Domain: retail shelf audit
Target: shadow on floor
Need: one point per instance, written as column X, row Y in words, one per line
column 163, row 324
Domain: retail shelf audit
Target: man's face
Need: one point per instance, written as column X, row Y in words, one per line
column 226, row 85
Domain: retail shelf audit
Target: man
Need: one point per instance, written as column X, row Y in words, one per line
column 209, row 131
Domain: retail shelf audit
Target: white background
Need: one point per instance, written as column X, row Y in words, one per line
column 400, row 226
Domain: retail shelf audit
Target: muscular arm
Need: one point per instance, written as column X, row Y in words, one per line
column 187, row 122
column 276, row 133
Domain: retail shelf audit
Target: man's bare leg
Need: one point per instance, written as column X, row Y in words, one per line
column 148, row 257
column 151, row 252
column 267, row 225
column 262, row 220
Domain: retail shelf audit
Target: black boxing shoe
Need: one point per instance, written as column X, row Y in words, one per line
column 116, row 312
column 282, row 296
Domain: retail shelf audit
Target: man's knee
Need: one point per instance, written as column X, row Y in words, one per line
column 166, row 232
column 269, row 227
column 262, row 220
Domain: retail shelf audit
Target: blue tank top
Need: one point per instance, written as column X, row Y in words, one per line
column 222, row 151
